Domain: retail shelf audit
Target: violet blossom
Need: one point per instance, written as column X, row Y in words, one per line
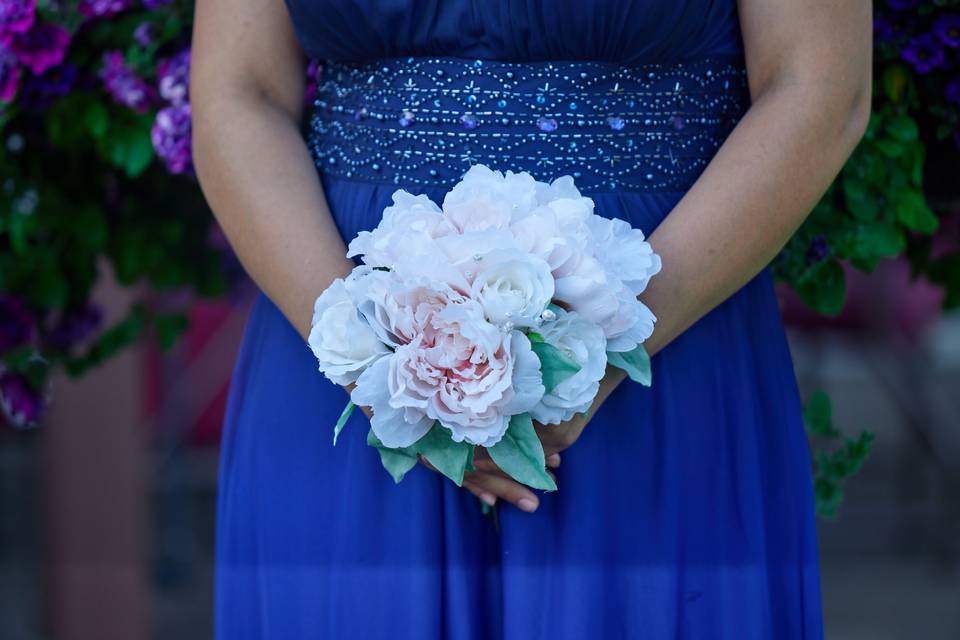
column 74, row 325
column 20, row 404
column 171, row 137
column 143, row 34
column 173, row 77
column 126, row 87
column 947, row 28
column 924, row 52
column 39, row 48
column 102, row 8
column 9, row 75
column 16, row 16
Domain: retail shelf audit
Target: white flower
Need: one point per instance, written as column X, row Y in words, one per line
column 512, row 286
column 584, row 343
column 340, row 337
column 460, row 370
column 407, row 228
column 484, row 198
column 632, row 323
column 624, row 252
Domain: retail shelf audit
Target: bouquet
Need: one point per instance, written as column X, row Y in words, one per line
column 465, row 324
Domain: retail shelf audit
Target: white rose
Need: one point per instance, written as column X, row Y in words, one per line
column 584, row 343
column 624, row 252
column 340, row 338
column 512, row 286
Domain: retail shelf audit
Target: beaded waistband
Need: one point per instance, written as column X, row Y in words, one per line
column 424, row 121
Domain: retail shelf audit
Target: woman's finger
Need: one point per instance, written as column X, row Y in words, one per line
column 505, row 489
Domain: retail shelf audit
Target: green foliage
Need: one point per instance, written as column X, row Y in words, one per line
column 635, row 363
column 520, row 454
column 832, row 467
column 555, row 366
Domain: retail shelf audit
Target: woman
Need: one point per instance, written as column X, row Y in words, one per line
column 685, row 509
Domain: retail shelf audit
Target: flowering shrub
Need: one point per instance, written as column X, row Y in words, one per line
column 877, row 207
column 96, row 169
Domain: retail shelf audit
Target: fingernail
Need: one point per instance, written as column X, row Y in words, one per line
column 527, row 504
column 489, row 499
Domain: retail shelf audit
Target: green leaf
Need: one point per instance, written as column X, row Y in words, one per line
column 818, row 415
column 635, row 363
column 894, row 81
column 555, row 366
column 169, row 328
column 97, row 119
column 913, row 212
column 342, row 420
column 533, row 336
column 397, row 462
column 139, row 152
column 520, row 454
column 449, row 457
column 826, row 291
column 863, row 204
column 903, row 128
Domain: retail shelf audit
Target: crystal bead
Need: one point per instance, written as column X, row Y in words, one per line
column 548, row 125
column 677, row 122
column 406, row 118
column 616, row 123
column 469, row 121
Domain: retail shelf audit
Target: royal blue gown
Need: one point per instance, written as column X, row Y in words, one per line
column 684, row 510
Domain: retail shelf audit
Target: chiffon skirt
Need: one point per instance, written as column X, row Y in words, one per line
column 685, row 510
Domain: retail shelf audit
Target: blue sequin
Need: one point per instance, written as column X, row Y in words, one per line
column 646, row 128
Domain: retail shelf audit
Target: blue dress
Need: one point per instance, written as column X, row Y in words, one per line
column 685, row 510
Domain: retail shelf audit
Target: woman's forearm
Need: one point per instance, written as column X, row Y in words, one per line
column 761, row 185
column 259, row 180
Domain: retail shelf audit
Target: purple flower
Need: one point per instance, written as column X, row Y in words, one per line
column 952, row 91
column 41, row 47
column 74, row 325
column 900, row 5
column 126, row 87
column 102, row 8
column 20, row 404
column 16, row 16
column 171, row 137
column 947, row 28
column 143, row 34
column 818, row 249
column 39, row 92
column 16, row 323
column 173, row 77
column 924, row 52
column 9, row 75
column 155, row 4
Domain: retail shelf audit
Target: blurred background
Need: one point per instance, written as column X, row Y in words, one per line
column 121, row 311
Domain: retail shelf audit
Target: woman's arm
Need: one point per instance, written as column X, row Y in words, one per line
column 809, row 65
column 246, row 93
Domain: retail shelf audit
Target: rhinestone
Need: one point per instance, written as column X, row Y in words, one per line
column 572, row 106
column 472, row 99
column 406, row 119
column 616, row 123
column 375, row 166
column 677, row 122
column 501, row 104
column 508, row 326
column 469, row 121
column 547, row 125
column 359, row 114
column 548, row 315
column 540, row 99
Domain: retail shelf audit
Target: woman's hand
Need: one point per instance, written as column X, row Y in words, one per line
column 557, row 437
